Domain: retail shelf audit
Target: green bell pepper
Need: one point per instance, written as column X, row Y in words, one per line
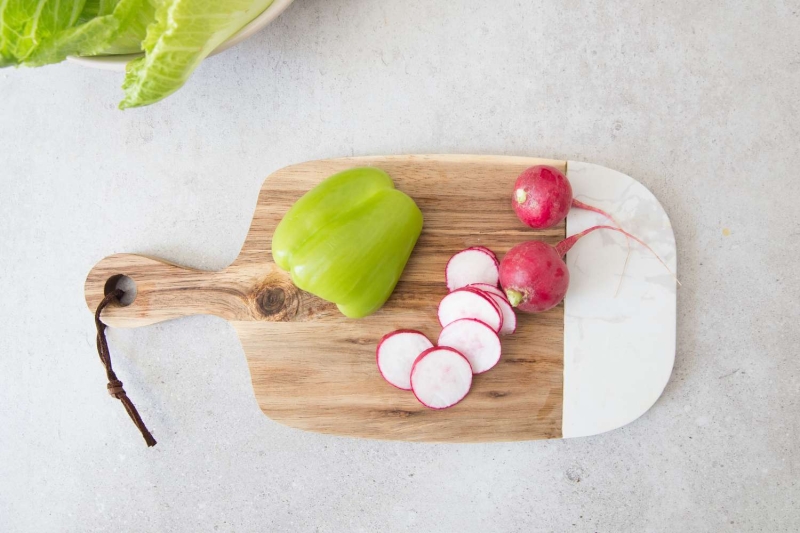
column 348, row 239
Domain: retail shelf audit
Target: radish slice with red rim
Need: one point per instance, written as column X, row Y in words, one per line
column 471, row 266
column 493, row 302
column 470, row 303
column 441, row 377
column 396, row 354
column 488, row 251
column 490, row 289
column 509, row 316
column 475, row 340
column 499, row 297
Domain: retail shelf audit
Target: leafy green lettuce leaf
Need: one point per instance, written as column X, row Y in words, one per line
column 183, row 34
column 24, row 24
column 90, row 38
column 96, row 8
column 129, row 40
column 38, row 32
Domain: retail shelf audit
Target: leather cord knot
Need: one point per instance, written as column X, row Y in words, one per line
column 115, row 388
column 115, row 385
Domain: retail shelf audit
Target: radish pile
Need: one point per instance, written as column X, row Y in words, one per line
column 533, row 276
column 472, row 315
column 542, row 198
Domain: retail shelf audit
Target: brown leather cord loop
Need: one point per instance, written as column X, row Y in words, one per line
column 115, row 385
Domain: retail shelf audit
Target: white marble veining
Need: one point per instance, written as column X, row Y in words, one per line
column 618, row 350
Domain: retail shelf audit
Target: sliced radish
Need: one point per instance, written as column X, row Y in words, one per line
column 396, row 354
column 491, row 289
column 471, row 266
column 499, row 297
column 470, row 303
column 492, row 301
column 475, row 340
column 441, row 377
column 509, row 316
column 488, row 251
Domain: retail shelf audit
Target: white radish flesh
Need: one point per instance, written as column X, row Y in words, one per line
column 475, row 340
column 470, row 303
column 488, row 251
column 441, row 377
column 471, row 266
column 396, row 354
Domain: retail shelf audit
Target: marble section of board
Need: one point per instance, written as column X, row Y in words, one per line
column 619, row 349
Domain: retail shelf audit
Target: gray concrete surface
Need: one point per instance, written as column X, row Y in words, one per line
column 698, row 100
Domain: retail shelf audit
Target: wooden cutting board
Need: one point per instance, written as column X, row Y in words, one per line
column 314, row 369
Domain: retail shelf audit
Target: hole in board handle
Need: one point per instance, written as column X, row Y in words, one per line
column 121, row 281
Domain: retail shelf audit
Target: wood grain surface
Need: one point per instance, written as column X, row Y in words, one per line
column 314, row 369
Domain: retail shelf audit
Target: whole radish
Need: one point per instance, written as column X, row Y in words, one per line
column 543, row 197
column 534, row 276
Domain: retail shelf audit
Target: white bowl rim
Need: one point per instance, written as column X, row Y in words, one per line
column 118, row 62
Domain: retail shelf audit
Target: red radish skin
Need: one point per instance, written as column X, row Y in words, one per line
column 542, row 196
column 441, row 377
column 534, row 275
column 470, row 266
column 396, row 353
column 474, row 340
column 470, row 303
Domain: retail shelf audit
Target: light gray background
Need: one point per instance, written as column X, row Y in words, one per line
column 699, row 102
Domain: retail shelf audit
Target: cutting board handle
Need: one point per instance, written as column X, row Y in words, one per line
column 165, row 291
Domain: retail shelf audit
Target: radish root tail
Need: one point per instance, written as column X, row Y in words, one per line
column 580, row 205
column 564, row 246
